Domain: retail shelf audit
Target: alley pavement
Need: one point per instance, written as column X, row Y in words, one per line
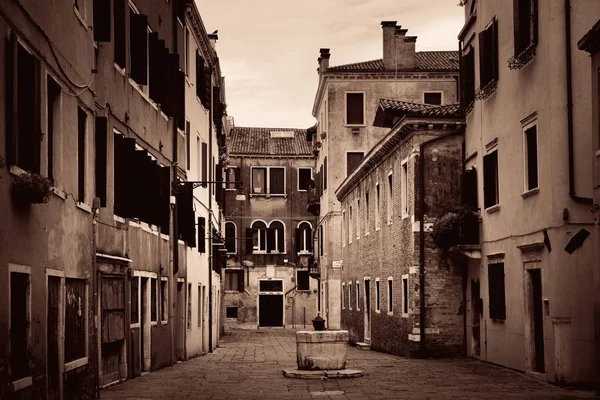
column 248, row 365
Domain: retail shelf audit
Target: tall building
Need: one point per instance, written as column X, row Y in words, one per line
column 345, row 104
column 527, row 93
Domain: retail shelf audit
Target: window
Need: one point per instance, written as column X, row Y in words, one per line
column 377, row 295
column 200, row 298
column 321, row 240
column 164, row 300
column 525, row 24
column 231, row 312
column 467, row 83
column 350, row 296
column 201, row 235
column 343, row 295
column 531, row 157
column 377, row 208
column 357, row 296
column 81, row 161
column 138, row 47
column 120, row 54
column 186, row 50
column 353, row 159
column 232, row 177
column 304, row 242
column 490, row 179
column 344, row 228
column 53, row 92
column 404, row 189
column 234, row 280
column 434, row 98
column 135, row 300
column 188, row 145
column 204, row 160
column 496, row 290
column 304, row 178
column 276, row 237
column 230, row 237
column 405, row 297
column 390, row 199
column 390, row 295
column 325, row 173
column 189, row 307
column 258, row 237
column 358, row 216
column 20, row 309
column 355, row 108
column 351, row 226
column 101, row 22
column 302, row 280
column 488, row 54
column 153, row 300
column 367, row 213
column 101, row 154
column 268, row 180
column 75, row 320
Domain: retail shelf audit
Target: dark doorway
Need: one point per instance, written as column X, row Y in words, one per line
column 538, row 319
column 476, row 309
column 52, row 327
column 180, row 322
column 270, row 310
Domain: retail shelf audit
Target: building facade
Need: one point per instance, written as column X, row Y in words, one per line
column 269, row 236
column 99, row 221
column 401, row 291
column 345, row 104
column 527, row 92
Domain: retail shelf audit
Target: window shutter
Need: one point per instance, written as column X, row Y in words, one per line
column 277, row 179
column 188, row 146
column 270, row 240
column 120, row 50
column 219, row 186
column 181, row 45
column 101, row 129
column 180, row 90
column 280, row 240
column 516, row 27
column 236, row 174
column 185, row 215
column 534, row 21
column 207, row 87
column 249, row 240
column 493, row 39
column 164, row 209
column 240, row 281
column 129, row 178
column 325, row 174
column 204, row 157
column 155, row 66
column 483, row 60
column 199, row 76
column 139, row 48
column 12, row 100
column 201, row 235
column 319, row 181
column 102, row 20
column 299, row 240
column 488, row 181
column 309, row 240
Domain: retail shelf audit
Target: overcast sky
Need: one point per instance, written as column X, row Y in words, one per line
column 268, row 49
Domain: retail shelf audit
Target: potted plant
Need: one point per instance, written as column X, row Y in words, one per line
column 449, row 229
column 32, row 188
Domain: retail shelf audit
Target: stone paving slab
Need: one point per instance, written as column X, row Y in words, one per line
column 249, row 364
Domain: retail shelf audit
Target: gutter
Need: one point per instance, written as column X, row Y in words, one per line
column 422, row 237
column 572, row 193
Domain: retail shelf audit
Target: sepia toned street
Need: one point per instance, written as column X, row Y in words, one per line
column 248, row 364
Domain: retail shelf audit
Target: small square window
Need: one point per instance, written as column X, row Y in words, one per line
column 231, row 312
column 434, row 98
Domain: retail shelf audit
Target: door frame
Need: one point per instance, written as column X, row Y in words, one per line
column 282, row 293
column 146, row 330
column 367, row 308
column 61, row 329
column 530, row 345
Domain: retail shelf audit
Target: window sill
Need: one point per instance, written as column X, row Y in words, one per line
column 377, row 228
column 404, row 315
column 21, row 383
column 76, row 364
column 232, row 291
column 390, row 313
column 303, row 290
column 139, row 89
column 16, row 171
column 120, row 69
column 492, row 209
column 153, row 323
column 377, row 311
column 59, row 193
column 530, row 192
column 231, row 253
column 84, row 207
column 134, row 325
column 267, row 195
column 80, row 18
column 164, row 322
column 305, row 253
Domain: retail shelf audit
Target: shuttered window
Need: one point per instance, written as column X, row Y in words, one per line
column 497, row 297
column 200, row 77
column 81, row 153
column 277, row 180
column 164, row 300
column 202, row 235
column 188, row 145
column 138, row 46
column 353, row 159
column 469, row 188
column 525, row 24
column 75, row 319
column 232, row 176
column 302, row 280
column 304, row 178
column 204, row 161
column 488, row 54
column 355, row 112
column 230, row 239
column 490, row 179
column 54, row 120
column 467, row 77
column 531, row 158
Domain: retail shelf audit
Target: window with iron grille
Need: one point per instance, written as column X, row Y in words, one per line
column 497, row 296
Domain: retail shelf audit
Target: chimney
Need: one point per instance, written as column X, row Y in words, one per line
column 213, row 37
column 398, row 49
column 323, row 60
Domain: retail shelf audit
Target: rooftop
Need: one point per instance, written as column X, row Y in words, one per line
column 426, row 61
column 391, row 110
column 269, row 141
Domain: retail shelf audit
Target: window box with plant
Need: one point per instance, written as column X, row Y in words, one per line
column 31, row 188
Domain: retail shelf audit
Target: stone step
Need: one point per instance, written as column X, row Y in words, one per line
column 363, row 346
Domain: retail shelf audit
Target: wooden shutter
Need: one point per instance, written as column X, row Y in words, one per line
column 12, row 108
column 120, row 50
column 101, row 131
column 164, row 201
column 270, row 240
column 309, row 240
column 181, row 45
column 207, row 87
column 493, row 39
column 188, row 226
column 299, row 240
column 188, row 145
column 199, row 76
column 249, row 240
column 219, row 186
column 352, row 161
column 240, row 281
column 113, row 309
column 483, row 59
column 201, row 235
column 534, row 22
column 180, row 93
column 138, row 37
column 325, row 174
column 236, row 174
column 155, row 58
column 355, row 108
column 277, row 180
column 102, row 20
column 516, row 27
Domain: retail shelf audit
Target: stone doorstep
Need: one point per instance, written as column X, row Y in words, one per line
column 322, row 374
column 363, row 346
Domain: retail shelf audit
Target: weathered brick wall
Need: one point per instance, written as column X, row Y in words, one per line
column 392, row 250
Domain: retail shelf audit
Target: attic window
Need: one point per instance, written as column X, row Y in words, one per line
column 282, row 134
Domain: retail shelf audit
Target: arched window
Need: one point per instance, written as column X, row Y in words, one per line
column 276, row 237
column 304, row 243
column 230, row 237
column 257, row 237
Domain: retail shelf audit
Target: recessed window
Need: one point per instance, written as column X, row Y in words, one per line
column 153, row 300
column 343, row 295
column 20, row 298
column 467, row 77
column 531, row 157
column 355, row 108
column 390, row 198
column 377, row 207
column 497, row 296
column 321, row 233
column 367, row 213
column 135, row 300
column 353, row 159
column 200, row 299
column 231, row 312
column 234, row 280
column 490, row 179
column 405, row 296
column 357, row 296
column 81, row 153
column 350, row 226
column 268, row 180
column 189, row 307
column 304, row 238
column 164, row 300
column 377, row 295
column 276, row 237
column 390, row 295
column 358, row 216
column 304, row 178
column 230, row 237
column 302, row 280
column 434, row 98
column 120, row 49
column 232, row 178
column 525, row 24
column 344, row 228
column 404, row 189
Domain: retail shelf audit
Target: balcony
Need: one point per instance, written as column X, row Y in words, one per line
column 468, row 245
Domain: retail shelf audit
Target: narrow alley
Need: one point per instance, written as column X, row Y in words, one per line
column 248, row 364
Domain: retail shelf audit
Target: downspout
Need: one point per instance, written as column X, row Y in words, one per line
column 96, row 303
column 422, row 237
column 173, row 214
column 466, row 264
column 572, row 193
column 210, row 218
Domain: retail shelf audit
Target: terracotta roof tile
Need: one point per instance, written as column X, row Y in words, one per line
column 247, row 140
column 425, row 61
column 389, row 110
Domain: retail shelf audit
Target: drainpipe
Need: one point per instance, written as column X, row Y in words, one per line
column 572, row 193
column 173, row 214
column 96, row 303
column 210, row 215
column 422, row 236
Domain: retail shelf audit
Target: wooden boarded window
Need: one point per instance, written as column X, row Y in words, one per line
column 497, row 295
column 302, row 280
column 276, row 180
column 153, row 300
column 75, row 319
column 355, row 111
column 353, row 159
column 120, row 50
column 20, row 297
column 135, row 307
column 113, row 309
column 81, row 153
column 490, row 179
column 488, row 54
